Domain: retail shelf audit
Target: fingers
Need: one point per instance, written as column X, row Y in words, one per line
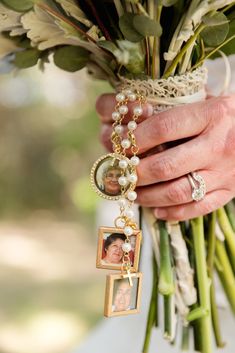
column 175, row 124
column 105, row 105
column 174, row 162
column 211, row 202
column 175, row 192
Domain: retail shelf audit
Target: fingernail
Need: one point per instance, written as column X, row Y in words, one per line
column 160, row 213
column 149, row 109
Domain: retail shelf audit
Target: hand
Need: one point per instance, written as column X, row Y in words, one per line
column 209, row 149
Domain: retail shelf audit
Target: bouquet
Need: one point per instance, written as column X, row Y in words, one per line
column 156, row 48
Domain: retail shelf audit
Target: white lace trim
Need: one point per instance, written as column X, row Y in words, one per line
column 175, row 90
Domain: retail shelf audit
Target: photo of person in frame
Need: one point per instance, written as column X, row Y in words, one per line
column 107, row 175
column 112, row 249
column 124, row 295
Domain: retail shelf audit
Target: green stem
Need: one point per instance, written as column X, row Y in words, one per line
column 166, row 281
column 185, row 338
column 230, row 209
column 201, row 61
column 203, row 282
column 215, row 316
column 210, row 266
column 152, row 309
column 225, row 273
column 183, row 51
column 228, row 233
column 169, row 312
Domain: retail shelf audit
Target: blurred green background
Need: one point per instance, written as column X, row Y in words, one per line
column 51, row 294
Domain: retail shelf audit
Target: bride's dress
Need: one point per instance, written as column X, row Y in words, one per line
column 125, row 334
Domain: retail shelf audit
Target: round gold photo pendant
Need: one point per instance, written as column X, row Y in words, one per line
column 105, row 175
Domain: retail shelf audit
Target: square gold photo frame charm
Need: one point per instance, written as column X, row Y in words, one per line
column 109, row 249
column 122, row 298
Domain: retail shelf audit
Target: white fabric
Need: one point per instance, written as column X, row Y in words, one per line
column 126, row 334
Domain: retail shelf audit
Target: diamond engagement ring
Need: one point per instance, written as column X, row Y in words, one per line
column 198, row 186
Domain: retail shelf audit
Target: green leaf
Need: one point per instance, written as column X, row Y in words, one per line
column 146, row 26
column 108, row 45
column 217, row 29
column 168, row 3
column 19, row 5
column 26, row 58
column 215, row 20
column 127, row 28
column 71, row 58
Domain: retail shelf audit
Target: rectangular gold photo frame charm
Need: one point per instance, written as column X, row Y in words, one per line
column 123, row 294
column 110, row 252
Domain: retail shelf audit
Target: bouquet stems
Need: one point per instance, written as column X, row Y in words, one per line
column 210, row 266
column 228, row 233
column 153, row 309
column 203, row 283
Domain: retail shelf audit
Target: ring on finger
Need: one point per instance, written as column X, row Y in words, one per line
column 198, row 186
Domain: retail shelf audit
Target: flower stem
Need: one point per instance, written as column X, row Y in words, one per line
column 228, row 233
column 185, row 338
column 210, row 266
column 166, row 281
column 183, row 51
column 230, row 209
column 203, row 282
column 151, row 321
column 225, row 272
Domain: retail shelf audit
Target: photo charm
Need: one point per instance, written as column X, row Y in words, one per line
column 123, row 294
column 110, row 176
column 114, row 247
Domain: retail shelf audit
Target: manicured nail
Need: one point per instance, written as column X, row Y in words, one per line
column 160, row 213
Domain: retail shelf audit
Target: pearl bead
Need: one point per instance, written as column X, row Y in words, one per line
column 128, row 92
column 132, row 178
column 132, row 195
column 126, row 247
column 131, row 97
column 129, row 213
column 122, row 202
column 132, row 125
column 122, row 181
column 120, row 97
column 138, row 111
column 123, row 164
column 118, row 129
column 115, row 116
column 128, row 231
column 126, row 143
column 135, row 160
column 123, row 109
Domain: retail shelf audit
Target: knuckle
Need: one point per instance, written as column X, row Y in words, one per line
column 177, row 193
column 215, row 110
column 163, row 168
column 165, row 127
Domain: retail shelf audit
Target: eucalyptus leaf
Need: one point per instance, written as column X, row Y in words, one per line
column 146, row 26
column 19, row 5
column 71, row 58
column 127, row 28
column 216, row 30
column 26, row 58
column 215, row 20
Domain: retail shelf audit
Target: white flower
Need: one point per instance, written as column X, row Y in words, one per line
column 45, row 31
column 72, row 9
column 7, row 46
column 10, row 21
